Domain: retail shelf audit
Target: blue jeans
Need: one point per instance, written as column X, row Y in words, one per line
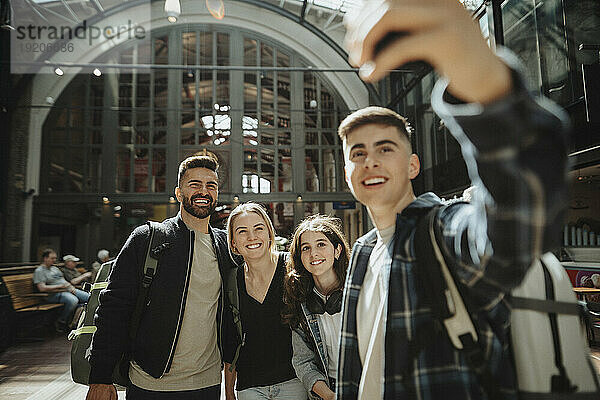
column 288, row 390
column 71, row 301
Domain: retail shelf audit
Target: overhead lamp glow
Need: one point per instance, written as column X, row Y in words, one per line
column 97, row 72
column 172, row 9
column 58, row 71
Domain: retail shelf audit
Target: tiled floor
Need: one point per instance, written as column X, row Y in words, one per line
column 40, row 371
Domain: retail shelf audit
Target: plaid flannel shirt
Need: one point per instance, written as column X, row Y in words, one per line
column 515, row 151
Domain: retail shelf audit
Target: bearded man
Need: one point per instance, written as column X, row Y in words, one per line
column 177, row 350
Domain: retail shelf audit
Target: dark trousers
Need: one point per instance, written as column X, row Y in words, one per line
column 208, row 393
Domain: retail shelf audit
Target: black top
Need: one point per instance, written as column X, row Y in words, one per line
column 266, row 357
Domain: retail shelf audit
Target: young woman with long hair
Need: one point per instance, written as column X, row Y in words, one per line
column 313, row 287
column 263, row 343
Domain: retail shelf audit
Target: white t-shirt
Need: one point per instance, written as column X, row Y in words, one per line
column 330, row 327
column 197, row 361
column 370, row 316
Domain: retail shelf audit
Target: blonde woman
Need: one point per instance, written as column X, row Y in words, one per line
column 263, row 344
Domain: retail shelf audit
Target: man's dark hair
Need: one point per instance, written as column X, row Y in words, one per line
column 47, row 252
column 375, row 116
column 203, row 161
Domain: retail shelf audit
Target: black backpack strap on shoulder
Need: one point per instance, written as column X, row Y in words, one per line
column 559, row 383
column 234, row 302
column 446, row 302
column 156, row 245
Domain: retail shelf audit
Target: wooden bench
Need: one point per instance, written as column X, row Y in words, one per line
column 22, row 294
column 26, row 302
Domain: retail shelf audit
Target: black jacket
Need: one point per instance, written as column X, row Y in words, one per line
column 161, row 319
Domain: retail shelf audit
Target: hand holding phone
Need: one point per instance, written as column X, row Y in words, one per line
column 383, row 35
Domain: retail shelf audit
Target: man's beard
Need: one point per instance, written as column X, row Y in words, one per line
column 196, row 211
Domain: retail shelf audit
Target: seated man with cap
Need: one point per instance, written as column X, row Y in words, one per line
column 72, row 274
column 49, row 279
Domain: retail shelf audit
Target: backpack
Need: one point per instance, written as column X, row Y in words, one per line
column 82, row 336
column 550, row 353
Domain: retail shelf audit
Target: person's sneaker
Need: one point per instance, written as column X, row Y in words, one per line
column 60, row 327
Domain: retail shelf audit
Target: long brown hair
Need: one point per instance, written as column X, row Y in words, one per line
column 298, row 282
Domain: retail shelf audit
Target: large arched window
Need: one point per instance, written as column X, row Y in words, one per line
column 265, row 114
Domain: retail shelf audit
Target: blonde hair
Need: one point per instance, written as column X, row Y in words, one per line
column 247, row 208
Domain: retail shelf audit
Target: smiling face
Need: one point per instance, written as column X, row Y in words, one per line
column 251, row 237
column 198, row 192
column 318, row 253
column 379, row 167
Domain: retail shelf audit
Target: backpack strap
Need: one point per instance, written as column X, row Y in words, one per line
column 234, row 303
column 544, row 305
column 559, row 383
column 446, row 302
column 156, row 245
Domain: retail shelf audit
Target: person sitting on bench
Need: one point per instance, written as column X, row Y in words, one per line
column 49, row 279
column 71, row 274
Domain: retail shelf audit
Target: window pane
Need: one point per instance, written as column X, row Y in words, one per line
column 310, row 100
column 327, row 109
column 56, row 180
column 206, row 48
column 329, row 138
column 142, row 101
column 267, row 167
column 249, row 52
column 96, row 136
column 285, row 138
column 123, row 168
column 125, row 136
column 140, row 170
column 312, row 138
column 159, row 137
column 188, row 53
column 77, row 136
column 267, row 112
column 94, row 166
column 329, row 170
column 283, row 219
column 75, row 172
column 312, row 170
column 97, row 99
column 222, row 49
column 285, row 170
column 267, row 137
column 159, row 163
column 161, row 54
column 141, row 136
column 187, row 136
column 222, row 89
column 250, row 93
column 283, row 99
column 205, row 91
column 58, row 135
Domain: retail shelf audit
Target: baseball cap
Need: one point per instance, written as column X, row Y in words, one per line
column 70, row 258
